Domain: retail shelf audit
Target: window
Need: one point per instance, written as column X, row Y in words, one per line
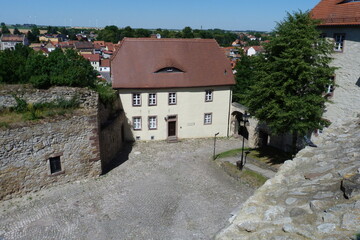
column 55, row 164
column 339, row 42
column 136, row 99
column 172, row 98
column 152, row 99
column 152, row 122
column 207, row 118
column 137, row 123
column 208, row 95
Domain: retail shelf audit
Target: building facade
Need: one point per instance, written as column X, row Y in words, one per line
column 340, row 23
column 173, row 88
column 9, row 41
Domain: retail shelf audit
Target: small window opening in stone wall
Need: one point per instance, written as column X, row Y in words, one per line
column 55, row 164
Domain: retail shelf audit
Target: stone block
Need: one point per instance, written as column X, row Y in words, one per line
column 351, row 221
column 350, row 185
column 326, row 228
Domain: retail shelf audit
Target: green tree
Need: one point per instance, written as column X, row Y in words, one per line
column 187, row 32
column 245, row 76
column 291, row 79
column 4, row 29
column 16, row 31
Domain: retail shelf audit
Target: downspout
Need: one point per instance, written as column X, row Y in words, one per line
column 230, row 99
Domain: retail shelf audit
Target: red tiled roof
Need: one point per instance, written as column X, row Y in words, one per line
column 201, row 61
column 84, row 45
column 101, row 43
column 92, row 57
column 105, row 63
column 12, row 38
column 110, row 46
column 337, row 12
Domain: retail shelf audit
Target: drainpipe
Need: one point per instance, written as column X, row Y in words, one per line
column 230, row 99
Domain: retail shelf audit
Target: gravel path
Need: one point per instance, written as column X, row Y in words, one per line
column 164, row 191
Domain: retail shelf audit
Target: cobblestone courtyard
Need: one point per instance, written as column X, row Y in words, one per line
column 164, row 191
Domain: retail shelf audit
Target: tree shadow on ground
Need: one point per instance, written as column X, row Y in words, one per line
column 119, row 159
column 270, row 155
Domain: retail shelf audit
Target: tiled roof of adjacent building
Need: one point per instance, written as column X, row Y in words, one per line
column 105, row 63
column 84, row 45
column 12, row 38
column 170, row 63
column 92, row 57
column 337, row 12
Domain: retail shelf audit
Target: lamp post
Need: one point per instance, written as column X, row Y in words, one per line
column 215, row 144
column 240, row 164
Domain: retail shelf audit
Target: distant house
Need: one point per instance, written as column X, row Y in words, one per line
column 340, row 23
column 233, row 53
column 253, row 50
column 9, row 41
column 50, row 46
column 105, row 65
column 84, row 47
column 52, row 38
column 94, row 60
column 173, row 88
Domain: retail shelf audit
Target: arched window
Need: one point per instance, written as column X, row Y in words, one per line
column 168, row 70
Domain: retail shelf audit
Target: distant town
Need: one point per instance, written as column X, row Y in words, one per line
column 98, row 44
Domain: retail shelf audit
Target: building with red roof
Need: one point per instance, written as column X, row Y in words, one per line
column 173, row 88
column 9, row 41
column 340, row 23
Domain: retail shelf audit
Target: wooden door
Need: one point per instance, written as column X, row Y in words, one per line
column 171, row 128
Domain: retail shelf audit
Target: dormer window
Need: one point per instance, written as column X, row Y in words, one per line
column 168, row 70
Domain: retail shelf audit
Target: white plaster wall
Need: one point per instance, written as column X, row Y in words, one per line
column 190, row 110
column 346, row 98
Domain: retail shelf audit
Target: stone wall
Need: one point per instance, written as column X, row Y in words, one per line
column 112, row 131
column 84, row 141
column 88, row 99
column 345, row 99
column 314, row 196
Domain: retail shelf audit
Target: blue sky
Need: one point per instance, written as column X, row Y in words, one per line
column 259, row 15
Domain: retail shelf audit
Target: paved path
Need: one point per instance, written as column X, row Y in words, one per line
column 164, row 191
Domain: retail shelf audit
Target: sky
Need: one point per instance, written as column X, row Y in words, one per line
column 260, row 15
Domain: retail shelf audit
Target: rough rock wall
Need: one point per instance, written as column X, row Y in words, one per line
column 88, row 99
column 314, row 196
column 25, row 150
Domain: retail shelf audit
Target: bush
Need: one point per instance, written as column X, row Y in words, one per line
column 106, row 93
column 21, row 105
column 40, row 81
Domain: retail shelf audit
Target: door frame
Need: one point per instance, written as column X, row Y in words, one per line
column 172, row 118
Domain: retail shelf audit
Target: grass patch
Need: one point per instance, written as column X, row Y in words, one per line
column 252, row 178
column 230, row 153
column 29, row 112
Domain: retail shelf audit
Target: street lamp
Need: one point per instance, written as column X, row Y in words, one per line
column 240, row 164
column 215, row 144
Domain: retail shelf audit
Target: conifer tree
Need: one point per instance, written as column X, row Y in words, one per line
column 292, row 77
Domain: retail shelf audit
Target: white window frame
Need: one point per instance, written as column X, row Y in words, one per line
column 137, row 123
column 209, row 95
column 152, row 122
column 136, row 99
column 339, row 39
column 172, row 98
column 152, row 99
column 208, row 118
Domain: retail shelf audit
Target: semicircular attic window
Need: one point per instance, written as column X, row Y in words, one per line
column 169, row 70
column 348, row 1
